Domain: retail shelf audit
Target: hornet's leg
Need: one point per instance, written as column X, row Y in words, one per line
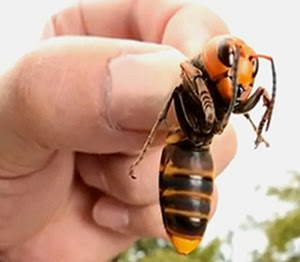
column 255, row 129
column 161, row 117
column 268, row 102
column 251, row 102
column 198, row 92
column 266, row 118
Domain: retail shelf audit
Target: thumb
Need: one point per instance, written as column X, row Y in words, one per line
column 82, row 94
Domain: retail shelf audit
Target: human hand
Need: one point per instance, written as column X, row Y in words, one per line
column 75, row 112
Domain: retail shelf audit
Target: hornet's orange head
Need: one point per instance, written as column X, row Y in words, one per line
column 218, row 58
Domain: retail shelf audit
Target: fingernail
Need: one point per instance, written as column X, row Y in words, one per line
column 139, row 80
column 109, row 214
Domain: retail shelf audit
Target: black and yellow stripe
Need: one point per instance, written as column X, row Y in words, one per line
column 186, row 186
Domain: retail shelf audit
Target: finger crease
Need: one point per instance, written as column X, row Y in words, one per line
column 82, row 17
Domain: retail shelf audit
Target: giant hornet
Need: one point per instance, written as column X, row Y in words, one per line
column 215, row 84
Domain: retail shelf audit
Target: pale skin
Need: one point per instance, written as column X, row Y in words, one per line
column 75, row 113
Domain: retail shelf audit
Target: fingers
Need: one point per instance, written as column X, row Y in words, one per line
column 183, row 24
column 110, row 173
column 95, row 99
column 131, row 206
column 224, row 148
column 70, row 234
column 29, row 201
column 64, row 86
column 142, row 221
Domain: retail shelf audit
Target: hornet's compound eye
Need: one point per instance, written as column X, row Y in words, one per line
column 254, row 61
column 240, row 91
column 226, row 52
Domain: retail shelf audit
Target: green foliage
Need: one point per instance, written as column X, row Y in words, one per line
column 152, row 250
column 166, row 256
column 289, row 193
column 283, row 230
column 210, row 253
column 283, row 233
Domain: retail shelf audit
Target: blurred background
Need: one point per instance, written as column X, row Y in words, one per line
column 259, row 192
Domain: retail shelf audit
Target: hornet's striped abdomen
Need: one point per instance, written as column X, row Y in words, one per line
column 186, row 185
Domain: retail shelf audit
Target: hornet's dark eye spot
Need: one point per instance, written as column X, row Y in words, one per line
column 226, row 53
column 254, row 61
column 240, row 91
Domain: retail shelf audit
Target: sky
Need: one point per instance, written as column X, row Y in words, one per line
column 271, row 28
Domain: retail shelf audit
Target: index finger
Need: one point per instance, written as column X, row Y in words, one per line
column 183, row 24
